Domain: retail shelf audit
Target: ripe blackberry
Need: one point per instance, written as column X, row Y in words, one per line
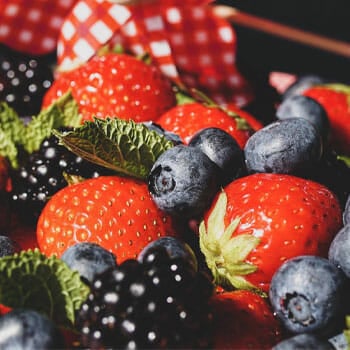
column 160, row 303
column 41, row 176
column 23, row 81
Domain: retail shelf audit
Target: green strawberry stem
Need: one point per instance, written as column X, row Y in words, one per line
column 225, row 255
column 194, row 95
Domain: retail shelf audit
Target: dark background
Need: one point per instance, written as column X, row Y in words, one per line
column 259, row 53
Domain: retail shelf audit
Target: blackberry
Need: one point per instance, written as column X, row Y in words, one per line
column 23, row 81
column 159, row 303
column 42, row 175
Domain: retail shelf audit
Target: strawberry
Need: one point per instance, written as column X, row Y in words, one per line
column 335, row 99
column 23, row 236
column 115, row 85
column 253, row 122
column 115, row 212
column 4, row 173
column 257, row 222
column 186, row 119
column 244, row 320
column 4, row 309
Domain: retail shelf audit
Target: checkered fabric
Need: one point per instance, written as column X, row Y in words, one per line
column 185, row 39
column 32, row 26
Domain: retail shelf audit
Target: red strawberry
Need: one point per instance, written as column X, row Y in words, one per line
column 253, row 122
column 24, row 237
column 115, row 212
column 4, row 173
column 115, row 85
column 4, row 309
column 186, row 119
column 257, row 222
column 244, row 320
column 335, row 99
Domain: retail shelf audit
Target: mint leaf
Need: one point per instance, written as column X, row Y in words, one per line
column 11, row 133
column 10, row 123
column 15, row 134
column 8, row 148
column 46, row 284
column 128, row 148
column 63, row 112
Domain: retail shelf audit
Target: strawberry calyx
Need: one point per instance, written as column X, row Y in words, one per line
column 194, row 95
column 225, row 255
column 347, row 329
column 342, row 88
column 242, row 124
column 126, row 147
column 345, row 159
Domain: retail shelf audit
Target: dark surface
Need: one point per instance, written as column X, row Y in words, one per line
column 259, row 52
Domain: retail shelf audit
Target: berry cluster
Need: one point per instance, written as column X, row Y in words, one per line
column 42, row 175
column 23, row 81
column 159, row 302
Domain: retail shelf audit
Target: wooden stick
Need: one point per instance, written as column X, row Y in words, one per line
column 235, row 16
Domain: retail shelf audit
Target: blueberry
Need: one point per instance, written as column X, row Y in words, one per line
column 303, row 83
column 338, row 252
column 28, row 330
column 346, row 213
column 299, row 106
column 7, row 246
column 303, row 342
column 183, row 181
column 174, row 138
column 307, row 295
column 176, row 249
column 223, row 150
column 288, row 146
column 89, row 259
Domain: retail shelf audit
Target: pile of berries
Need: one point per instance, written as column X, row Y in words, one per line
column 24, row 80
column 43, row 174
column 160, row 302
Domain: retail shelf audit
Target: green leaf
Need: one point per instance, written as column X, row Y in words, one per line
column 10, row 123
column 8, row 149
column 239, row 247
column 15, row 135
column 339, row 88
column 216, row 223
column 345, row 159
column 183, row 97
column 62, row 113
column 347, row 330
column 11, row 133
column 126, row 147
column 46, row 284
column 225, row 252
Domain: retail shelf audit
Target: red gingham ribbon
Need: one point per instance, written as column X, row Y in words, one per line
column 186, row 40
column 32, row 26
